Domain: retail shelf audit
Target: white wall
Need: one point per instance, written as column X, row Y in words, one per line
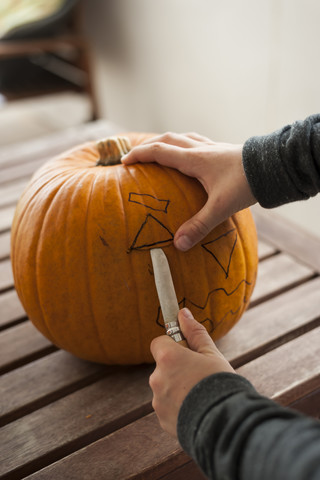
column 228, row 69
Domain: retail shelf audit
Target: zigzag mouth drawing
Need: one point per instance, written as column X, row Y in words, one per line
column 152, row 227
column 212, row 323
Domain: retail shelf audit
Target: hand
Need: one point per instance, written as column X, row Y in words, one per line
column 218, row 166
column 179, row 369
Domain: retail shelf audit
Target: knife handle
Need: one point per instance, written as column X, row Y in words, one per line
column 173, row 330
column 183, row 343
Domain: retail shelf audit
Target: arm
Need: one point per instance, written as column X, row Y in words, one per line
column 285, row 166
column 278, row 168
column 221, row 421
column 233, row 432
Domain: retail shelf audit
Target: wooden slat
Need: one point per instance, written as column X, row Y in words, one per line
column 272, row 323
column 277, row 274
column 10, row 193
column 265, row 250
column 22, row 344
column 43, row 380
column 10, row 308
column 270, row 374
column 73, row 421
column 139, row 450
column 6, row 216
column 289, row 372
column 47, row 146
column 288, row 237
column 17, row 172
column 309, row 404
column 6, row 277
column 4, row 245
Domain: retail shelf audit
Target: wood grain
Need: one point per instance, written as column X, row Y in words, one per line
column 273, row 323
column 288, row 237
column 273, row 374
column 47, row 146
column 6, row 216
column 154, row 454
column 10, row 193
column 42, row 381
column 6, row 277
column 276, row 275
column 76, row 420
column 4, row 245
column 289, row 372
column 11, row 309
column 20, row 345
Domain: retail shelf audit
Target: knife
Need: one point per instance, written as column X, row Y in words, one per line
column 167, row 295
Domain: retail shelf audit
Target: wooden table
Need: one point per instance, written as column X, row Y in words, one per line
column 63, row 418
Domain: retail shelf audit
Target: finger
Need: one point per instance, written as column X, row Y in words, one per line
column 161, row 347
column 198, row 227
column 162, row 153
column 177, row 139
column 198, row 138
column 196, row 335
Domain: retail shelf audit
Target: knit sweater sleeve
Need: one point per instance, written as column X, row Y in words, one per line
column 284, row 166
column 234, row 433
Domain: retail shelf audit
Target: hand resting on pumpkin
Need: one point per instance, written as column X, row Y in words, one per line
column 218, row 166
column 179, row 369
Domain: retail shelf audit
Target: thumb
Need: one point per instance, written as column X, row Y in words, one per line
column 197, row 227
column 196, row 335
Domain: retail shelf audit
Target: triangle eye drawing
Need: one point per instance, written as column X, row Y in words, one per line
column 151, row 228
column 221, row 251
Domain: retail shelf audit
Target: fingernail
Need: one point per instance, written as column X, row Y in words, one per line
column 187, row 313
column 183, row 243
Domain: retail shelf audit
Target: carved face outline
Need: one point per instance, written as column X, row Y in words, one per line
column 212, row 247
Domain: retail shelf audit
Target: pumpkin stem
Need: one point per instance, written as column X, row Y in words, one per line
column 112, row 149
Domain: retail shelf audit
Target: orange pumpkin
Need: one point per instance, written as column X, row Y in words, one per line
column 81, row 240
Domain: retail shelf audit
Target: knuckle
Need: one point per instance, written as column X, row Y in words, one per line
column 156, row 147
column 153, row 381
column 199, row 228
column 167, row 136
column 154, row 404
column 198, row 328
column 165, row 357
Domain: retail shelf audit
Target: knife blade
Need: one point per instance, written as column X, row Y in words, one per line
column 167, row 295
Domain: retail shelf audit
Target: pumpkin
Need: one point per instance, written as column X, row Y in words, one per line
column 80, row 248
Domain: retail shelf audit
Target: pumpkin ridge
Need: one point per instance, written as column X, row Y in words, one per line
column 171, row 178
column 90, row 303
column 137, row 297
column 146, row 173
column 15, row 229
column 244, row 305
column 246, row 254
column 45, row 321
column 187, row 199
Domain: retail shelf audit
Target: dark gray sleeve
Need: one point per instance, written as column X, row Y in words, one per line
column 234, row 433
column 284, row 166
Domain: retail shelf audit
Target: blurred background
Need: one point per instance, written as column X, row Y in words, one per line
column 227, row 69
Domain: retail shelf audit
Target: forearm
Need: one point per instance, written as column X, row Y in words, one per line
column 232, row 432
column 284, row 166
